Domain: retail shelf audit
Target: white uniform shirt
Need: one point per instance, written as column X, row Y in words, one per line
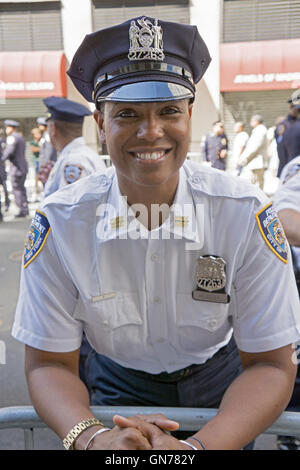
column 75, row 161
column 131, row 290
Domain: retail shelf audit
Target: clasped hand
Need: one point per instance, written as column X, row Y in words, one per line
column 139, row 432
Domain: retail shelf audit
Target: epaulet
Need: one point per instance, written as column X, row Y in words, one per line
column 291, row 169
column 217, row 183
column 88, row 189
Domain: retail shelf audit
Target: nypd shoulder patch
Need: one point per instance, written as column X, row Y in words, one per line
column 72, row 173
column 36, row 237
column 272, row 231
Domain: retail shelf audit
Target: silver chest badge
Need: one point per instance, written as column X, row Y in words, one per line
column 145, row 40
column 211, row 280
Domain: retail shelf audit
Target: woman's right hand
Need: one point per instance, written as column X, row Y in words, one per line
column 120, row 439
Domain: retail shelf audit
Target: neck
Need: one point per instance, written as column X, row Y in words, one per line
column 150, row 203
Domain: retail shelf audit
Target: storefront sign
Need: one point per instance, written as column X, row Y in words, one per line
column 32, row 74
column 260, row 65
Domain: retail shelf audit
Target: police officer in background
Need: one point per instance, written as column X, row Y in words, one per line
column 3, row 175
column 121, row 256
column 47, row 152
column 291, row 136
column 15, row 152
column 281, row 127
column 76, row 159
column 287, row 203
column 215, row 147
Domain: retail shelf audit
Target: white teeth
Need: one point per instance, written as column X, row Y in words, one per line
column 150, row 156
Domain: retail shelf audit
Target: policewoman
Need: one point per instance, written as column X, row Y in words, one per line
column 161, row 262
column 76, row 159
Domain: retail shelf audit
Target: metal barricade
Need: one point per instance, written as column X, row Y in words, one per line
column 189, row 419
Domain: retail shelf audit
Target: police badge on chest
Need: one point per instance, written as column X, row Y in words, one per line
column 211, row 280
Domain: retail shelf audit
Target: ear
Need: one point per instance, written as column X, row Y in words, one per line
column 99, row 118
column 190, row 110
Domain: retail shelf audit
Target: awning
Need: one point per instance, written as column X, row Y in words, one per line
column 260, row 65
column 34, row 74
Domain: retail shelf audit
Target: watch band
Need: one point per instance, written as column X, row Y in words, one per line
column 78, row 429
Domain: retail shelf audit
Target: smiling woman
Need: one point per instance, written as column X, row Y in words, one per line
column 147, row 143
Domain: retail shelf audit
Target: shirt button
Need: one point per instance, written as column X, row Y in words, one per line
column 154, row 257
column 157, row 300
column 196, row 179
column 212, row 323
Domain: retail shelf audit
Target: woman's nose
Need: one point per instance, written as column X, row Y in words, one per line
column 150, row 129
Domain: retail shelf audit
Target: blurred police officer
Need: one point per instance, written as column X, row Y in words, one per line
column 281, row 127
column 291, row 136
column 215, row 147
column 3, row 175
column 287, row 203
column 255, row 155
column 47, row 152
column 15, row 152
column 76, row 159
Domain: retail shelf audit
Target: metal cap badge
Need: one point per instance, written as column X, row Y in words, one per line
column 143, row 59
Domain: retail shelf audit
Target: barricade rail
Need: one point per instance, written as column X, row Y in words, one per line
column 189, row 419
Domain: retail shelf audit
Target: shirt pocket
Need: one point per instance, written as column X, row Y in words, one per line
column 116, row 325
column 198, row 322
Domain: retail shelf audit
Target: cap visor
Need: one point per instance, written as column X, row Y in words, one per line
column 148, row 91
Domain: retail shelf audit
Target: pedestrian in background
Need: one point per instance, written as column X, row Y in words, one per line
column 215, row 147
column 15, row 152
column 255, row 155
column 35, row 150
column 239, row 144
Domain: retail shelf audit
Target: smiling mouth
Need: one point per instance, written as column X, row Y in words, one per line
column 157, row 155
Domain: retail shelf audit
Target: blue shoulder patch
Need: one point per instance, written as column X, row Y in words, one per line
column 72, row 173
column 272, row 231
column 36, row 238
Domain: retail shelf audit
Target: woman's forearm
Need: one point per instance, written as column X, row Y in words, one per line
column 59, row 397
column 249, row 406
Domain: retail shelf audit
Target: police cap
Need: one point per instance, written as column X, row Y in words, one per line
column 63, row 109
column 11, row 123
column 142, row 59
column 41, row 120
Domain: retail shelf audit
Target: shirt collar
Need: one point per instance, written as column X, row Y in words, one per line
column 117, row 220
column 71, row 145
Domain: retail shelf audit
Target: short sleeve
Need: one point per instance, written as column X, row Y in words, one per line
column 288, row 194
column 266, row 308
column 47, row 300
